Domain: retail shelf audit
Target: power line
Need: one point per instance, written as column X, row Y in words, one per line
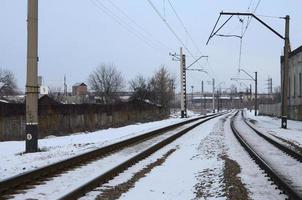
column 250, row 18
column 136, row 24
column 259, row 1
column 170, row 28
column 121, row 22
column 250, row 4
column 270, row 16
column 183, row 25
column 243, row 30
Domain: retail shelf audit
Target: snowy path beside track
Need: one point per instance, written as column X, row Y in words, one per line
column 13, row 162
column 271, row 125
column 194, row 170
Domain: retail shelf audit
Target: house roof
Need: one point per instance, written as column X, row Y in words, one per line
column 79, row 84
column 296, row 51
column 47, row 100
column 293, row 53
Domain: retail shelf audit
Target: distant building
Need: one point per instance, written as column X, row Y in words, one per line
column 294, row 83
column 79, row 89
column 42, row 88
column 47, row 100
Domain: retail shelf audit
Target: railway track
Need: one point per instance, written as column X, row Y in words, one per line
column 85, row 167
column 285, row 148
column 279, row 162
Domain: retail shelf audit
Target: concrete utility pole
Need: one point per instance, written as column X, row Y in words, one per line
column 285, row 94
column 218, row 101
column 256, row 83
column 201, row 95
column 192, row 87
column 32, row 88
column 183, row 82
column 65, row 86
column 284, row 78
column 213, row 94
column 250, row 98
column 183, row 104
column 256, row 94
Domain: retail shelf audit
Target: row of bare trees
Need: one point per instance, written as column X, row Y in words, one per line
column 106, row 81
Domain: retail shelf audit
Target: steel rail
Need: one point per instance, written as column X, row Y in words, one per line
column 263, row 165
column 13, row 183
column 280, row 146
column 108, row 175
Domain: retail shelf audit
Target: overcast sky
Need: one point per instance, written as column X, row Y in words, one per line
column 76, row 36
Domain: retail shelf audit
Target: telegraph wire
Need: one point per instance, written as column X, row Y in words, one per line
column 270, row 16
column 121, row 22
column 250, row 18
column 136, row 24
column 127, row 25
column 250, row 4
column 169, row 27
column 172, row 30
column 183, row 25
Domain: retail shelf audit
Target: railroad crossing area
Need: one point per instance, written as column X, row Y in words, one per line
column 228, row 155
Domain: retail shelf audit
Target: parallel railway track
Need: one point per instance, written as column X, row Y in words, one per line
column 272, row 169
column 277, row 144
column 20, row 183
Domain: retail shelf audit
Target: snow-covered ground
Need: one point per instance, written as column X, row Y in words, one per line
column 251, row 175
column 13, row 161
column 71, row 179
column 272, row 125
column 194, row 170
column 192, row 167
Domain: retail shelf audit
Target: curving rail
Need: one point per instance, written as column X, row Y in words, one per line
column 283, row 184
column 280, row 146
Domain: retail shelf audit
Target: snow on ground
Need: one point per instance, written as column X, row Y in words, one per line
column 283, row 164
column 272, row 125
column 251, row 175
column 13, row 162
column 193, row 171
column 71, row 179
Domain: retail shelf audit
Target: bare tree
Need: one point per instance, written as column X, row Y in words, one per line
column 140, row 88
column 162, row 87
column 277, row 94
column 8, row 84
column 56, row 93
column 106, row 81
column 233, row 89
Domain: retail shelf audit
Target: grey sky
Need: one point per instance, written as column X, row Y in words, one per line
column 75, row 37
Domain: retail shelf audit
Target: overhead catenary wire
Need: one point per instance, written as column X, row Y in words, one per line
column 250, row 4
column 170, row 28
column 270, row 16
column 141, row 28
column 121, row 22
column 244, row 29
column 184, row 26
column 250, row 18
